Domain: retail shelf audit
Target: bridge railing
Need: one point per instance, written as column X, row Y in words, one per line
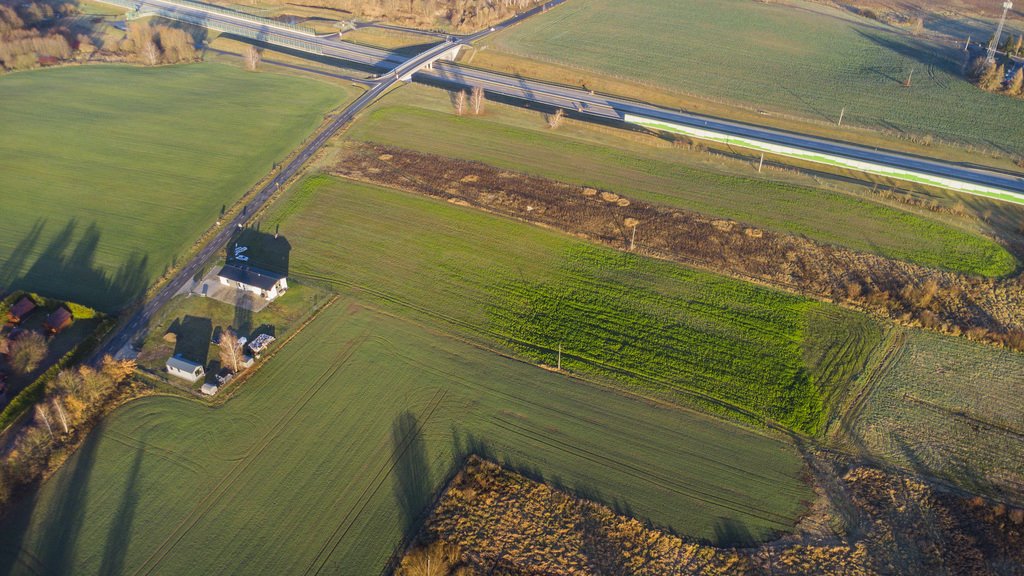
column 269, row 22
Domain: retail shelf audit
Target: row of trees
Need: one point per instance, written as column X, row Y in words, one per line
column 992, row 78
column 474, row 102
column 27, row 34
column 158, row 44
column 73, row 400
column 458, row 14
column 26, row 15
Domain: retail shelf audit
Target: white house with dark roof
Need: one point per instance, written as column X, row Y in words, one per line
column 266, row 284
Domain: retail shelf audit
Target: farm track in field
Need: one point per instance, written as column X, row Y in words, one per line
column 172, row 456
column 868, row 381
column 966, row 417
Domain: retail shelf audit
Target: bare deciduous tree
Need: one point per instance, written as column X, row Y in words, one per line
column 555, row 120
column 459, row 102
column 476, row 100
column 59, row 410
column 27, row 352
column 230, row 351
column 252, row 58
column 150, row 53
column 44, row 417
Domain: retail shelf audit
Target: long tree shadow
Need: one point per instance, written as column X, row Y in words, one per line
column 243, row 314
column 733, row 533
column 65, row 522
column 412, row 487
column 13, row 529
column 10, row 269
column 120, row 532
column 65, row 268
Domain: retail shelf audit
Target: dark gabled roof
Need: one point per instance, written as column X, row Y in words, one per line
column 59, row 318
column 262, row 279
column 23, row 306
column 182, row 364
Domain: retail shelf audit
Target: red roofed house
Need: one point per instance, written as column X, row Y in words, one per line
column 58, row 320
column 23, row 307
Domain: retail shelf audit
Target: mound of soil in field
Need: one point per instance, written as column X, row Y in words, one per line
column 493, row 521
column 982, row 308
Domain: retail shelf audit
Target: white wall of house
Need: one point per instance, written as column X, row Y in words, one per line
column 276, row 290
column 193, row 376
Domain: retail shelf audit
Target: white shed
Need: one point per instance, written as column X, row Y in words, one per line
column 209, row 389
column 185, row 369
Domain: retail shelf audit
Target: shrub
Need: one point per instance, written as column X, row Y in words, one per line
column 80, row 312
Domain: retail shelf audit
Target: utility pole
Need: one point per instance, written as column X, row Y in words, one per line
column 559, row 356
column 632, row 241
column 994, row 43
column 759, row 166
column 841, row 115
column 967, row 44
column 909, row 79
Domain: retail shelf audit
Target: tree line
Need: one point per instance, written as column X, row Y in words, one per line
column 28, row 34
column 73, row 402
column 156, row 44
column 456, row 14
column 31, row 34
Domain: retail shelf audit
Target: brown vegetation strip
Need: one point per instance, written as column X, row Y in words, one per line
column 493, row 521
column 983, row 309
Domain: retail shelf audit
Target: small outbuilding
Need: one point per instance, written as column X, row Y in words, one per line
column 22, row 308
column 209, row 389
column 185, row 369
column 260, row 343
column 224, row 376
column 58, row 320
column 266, row 284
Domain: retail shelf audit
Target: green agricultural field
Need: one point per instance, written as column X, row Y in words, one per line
column 111, row 172
column 725, row 345
column 804, row 59
column 502, row 139
column 334, row 448
column 946, row 407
